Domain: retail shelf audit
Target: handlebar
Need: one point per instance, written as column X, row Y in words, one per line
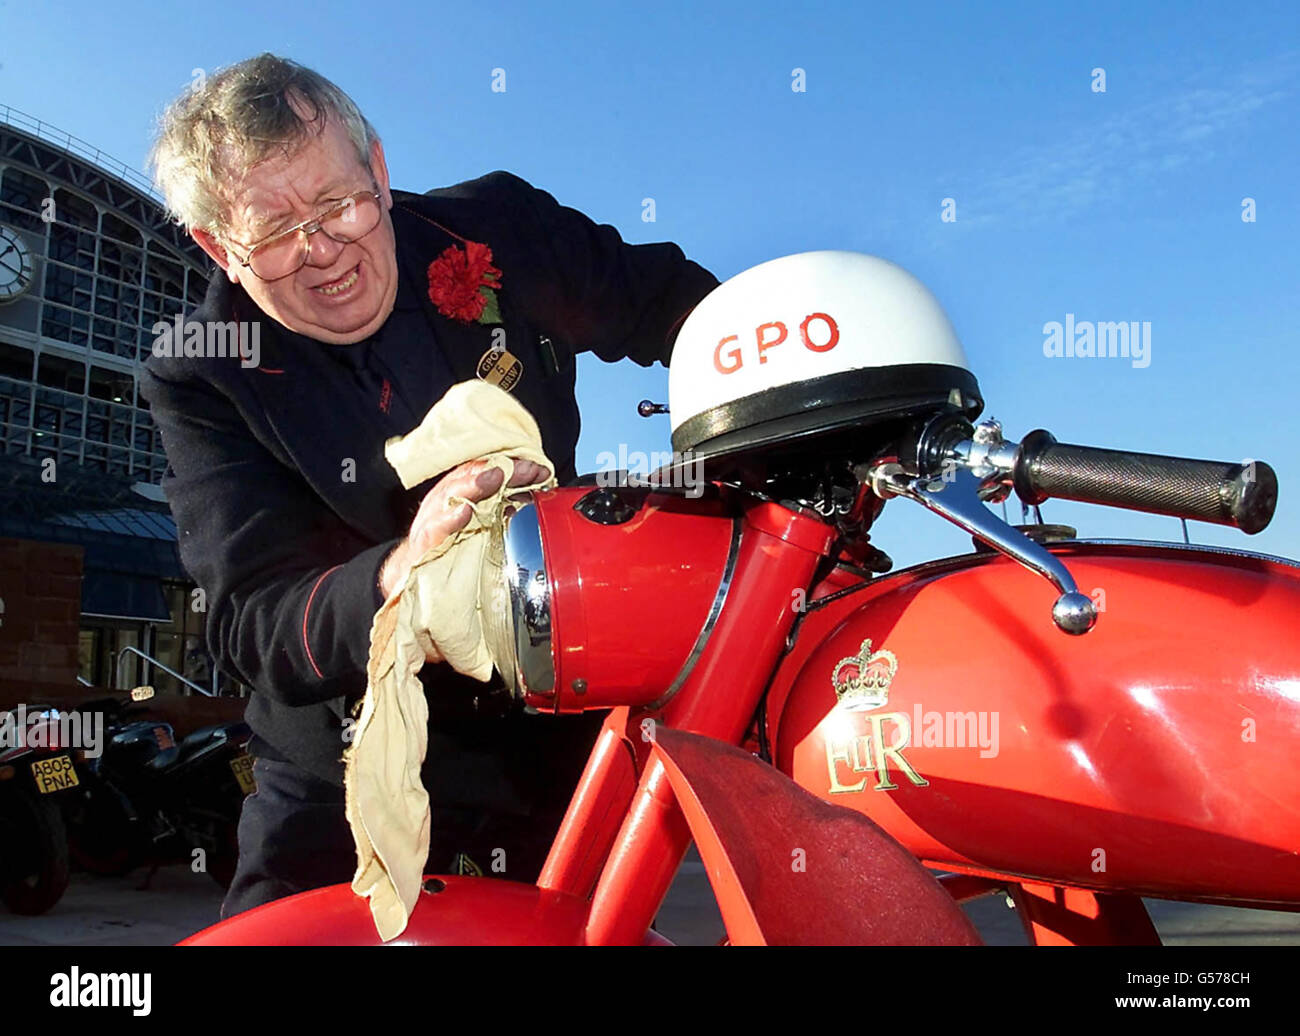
column 954, row 468
column 1240, row 495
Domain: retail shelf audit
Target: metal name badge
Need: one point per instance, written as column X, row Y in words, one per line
column 499, row 366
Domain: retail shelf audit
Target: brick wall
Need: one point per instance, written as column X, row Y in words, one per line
column 40, row 587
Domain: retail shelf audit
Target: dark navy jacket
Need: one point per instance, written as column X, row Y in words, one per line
column 285, row 506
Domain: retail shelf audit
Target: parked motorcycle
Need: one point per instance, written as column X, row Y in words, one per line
column 818, row 727
column 34, row 776
column 150, row 799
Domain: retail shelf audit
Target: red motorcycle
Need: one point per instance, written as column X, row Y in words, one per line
column 1077, row 723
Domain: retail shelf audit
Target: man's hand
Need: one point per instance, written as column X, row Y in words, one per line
column 435, row 521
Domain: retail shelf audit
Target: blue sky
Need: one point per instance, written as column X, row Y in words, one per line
column 1115, row 206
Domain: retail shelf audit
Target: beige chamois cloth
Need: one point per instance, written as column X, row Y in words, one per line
column 455, row 601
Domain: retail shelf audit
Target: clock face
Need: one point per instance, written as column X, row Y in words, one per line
column 15, row 265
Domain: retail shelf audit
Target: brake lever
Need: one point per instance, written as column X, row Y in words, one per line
column 957, row 497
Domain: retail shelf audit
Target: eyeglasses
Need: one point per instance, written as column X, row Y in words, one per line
column 285, row 253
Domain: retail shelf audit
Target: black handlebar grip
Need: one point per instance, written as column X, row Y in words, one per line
column 1243, row 495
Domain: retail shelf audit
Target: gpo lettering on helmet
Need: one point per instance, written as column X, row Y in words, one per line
column 809, row 344
column 735, row 358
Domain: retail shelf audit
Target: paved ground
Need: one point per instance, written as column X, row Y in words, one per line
column 117, row 912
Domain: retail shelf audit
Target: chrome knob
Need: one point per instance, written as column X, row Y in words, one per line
column 1074, row 612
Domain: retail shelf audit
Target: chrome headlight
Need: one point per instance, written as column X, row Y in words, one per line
column 530, row 605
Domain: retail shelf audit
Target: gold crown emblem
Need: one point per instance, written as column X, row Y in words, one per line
column 862, row 680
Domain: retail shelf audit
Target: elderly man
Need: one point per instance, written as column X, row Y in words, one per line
column 368, row 303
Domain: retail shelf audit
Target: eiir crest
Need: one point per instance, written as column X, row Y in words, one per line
column 862, row 681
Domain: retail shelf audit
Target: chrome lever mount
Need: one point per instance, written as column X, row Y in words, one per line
column 973, row 471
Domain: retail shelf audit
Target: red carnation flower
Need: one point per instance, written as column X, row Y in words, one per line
column 463, row 283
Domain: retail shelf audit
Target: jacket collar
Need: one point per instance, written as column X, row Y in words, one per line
column 420, row 241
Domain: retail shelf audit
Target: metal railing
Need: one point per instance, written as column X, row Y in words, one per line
column 128, row 650
column 76, row 146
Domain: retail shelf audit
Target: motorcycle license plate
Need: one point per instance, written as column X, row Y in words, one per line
column 243, row 767
column 54, row 774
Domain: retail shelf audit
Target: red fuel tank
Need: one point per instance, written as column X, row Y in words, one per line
column 1158, row 753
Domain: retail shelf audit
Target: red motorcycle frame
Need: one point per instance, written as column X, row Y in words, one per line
column 1148, row 757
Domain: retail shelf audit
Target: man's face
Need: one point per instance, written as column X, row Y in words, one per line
column 344, row 292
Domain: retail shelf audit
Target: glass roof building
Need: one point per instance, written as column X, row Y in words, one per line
column 88, row 263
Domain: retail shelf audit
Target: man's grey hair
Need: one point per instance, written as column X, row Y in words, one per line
column 224, row 124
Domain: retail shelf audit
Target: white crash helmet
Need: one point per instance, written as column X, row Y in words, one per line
column 809, row 344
